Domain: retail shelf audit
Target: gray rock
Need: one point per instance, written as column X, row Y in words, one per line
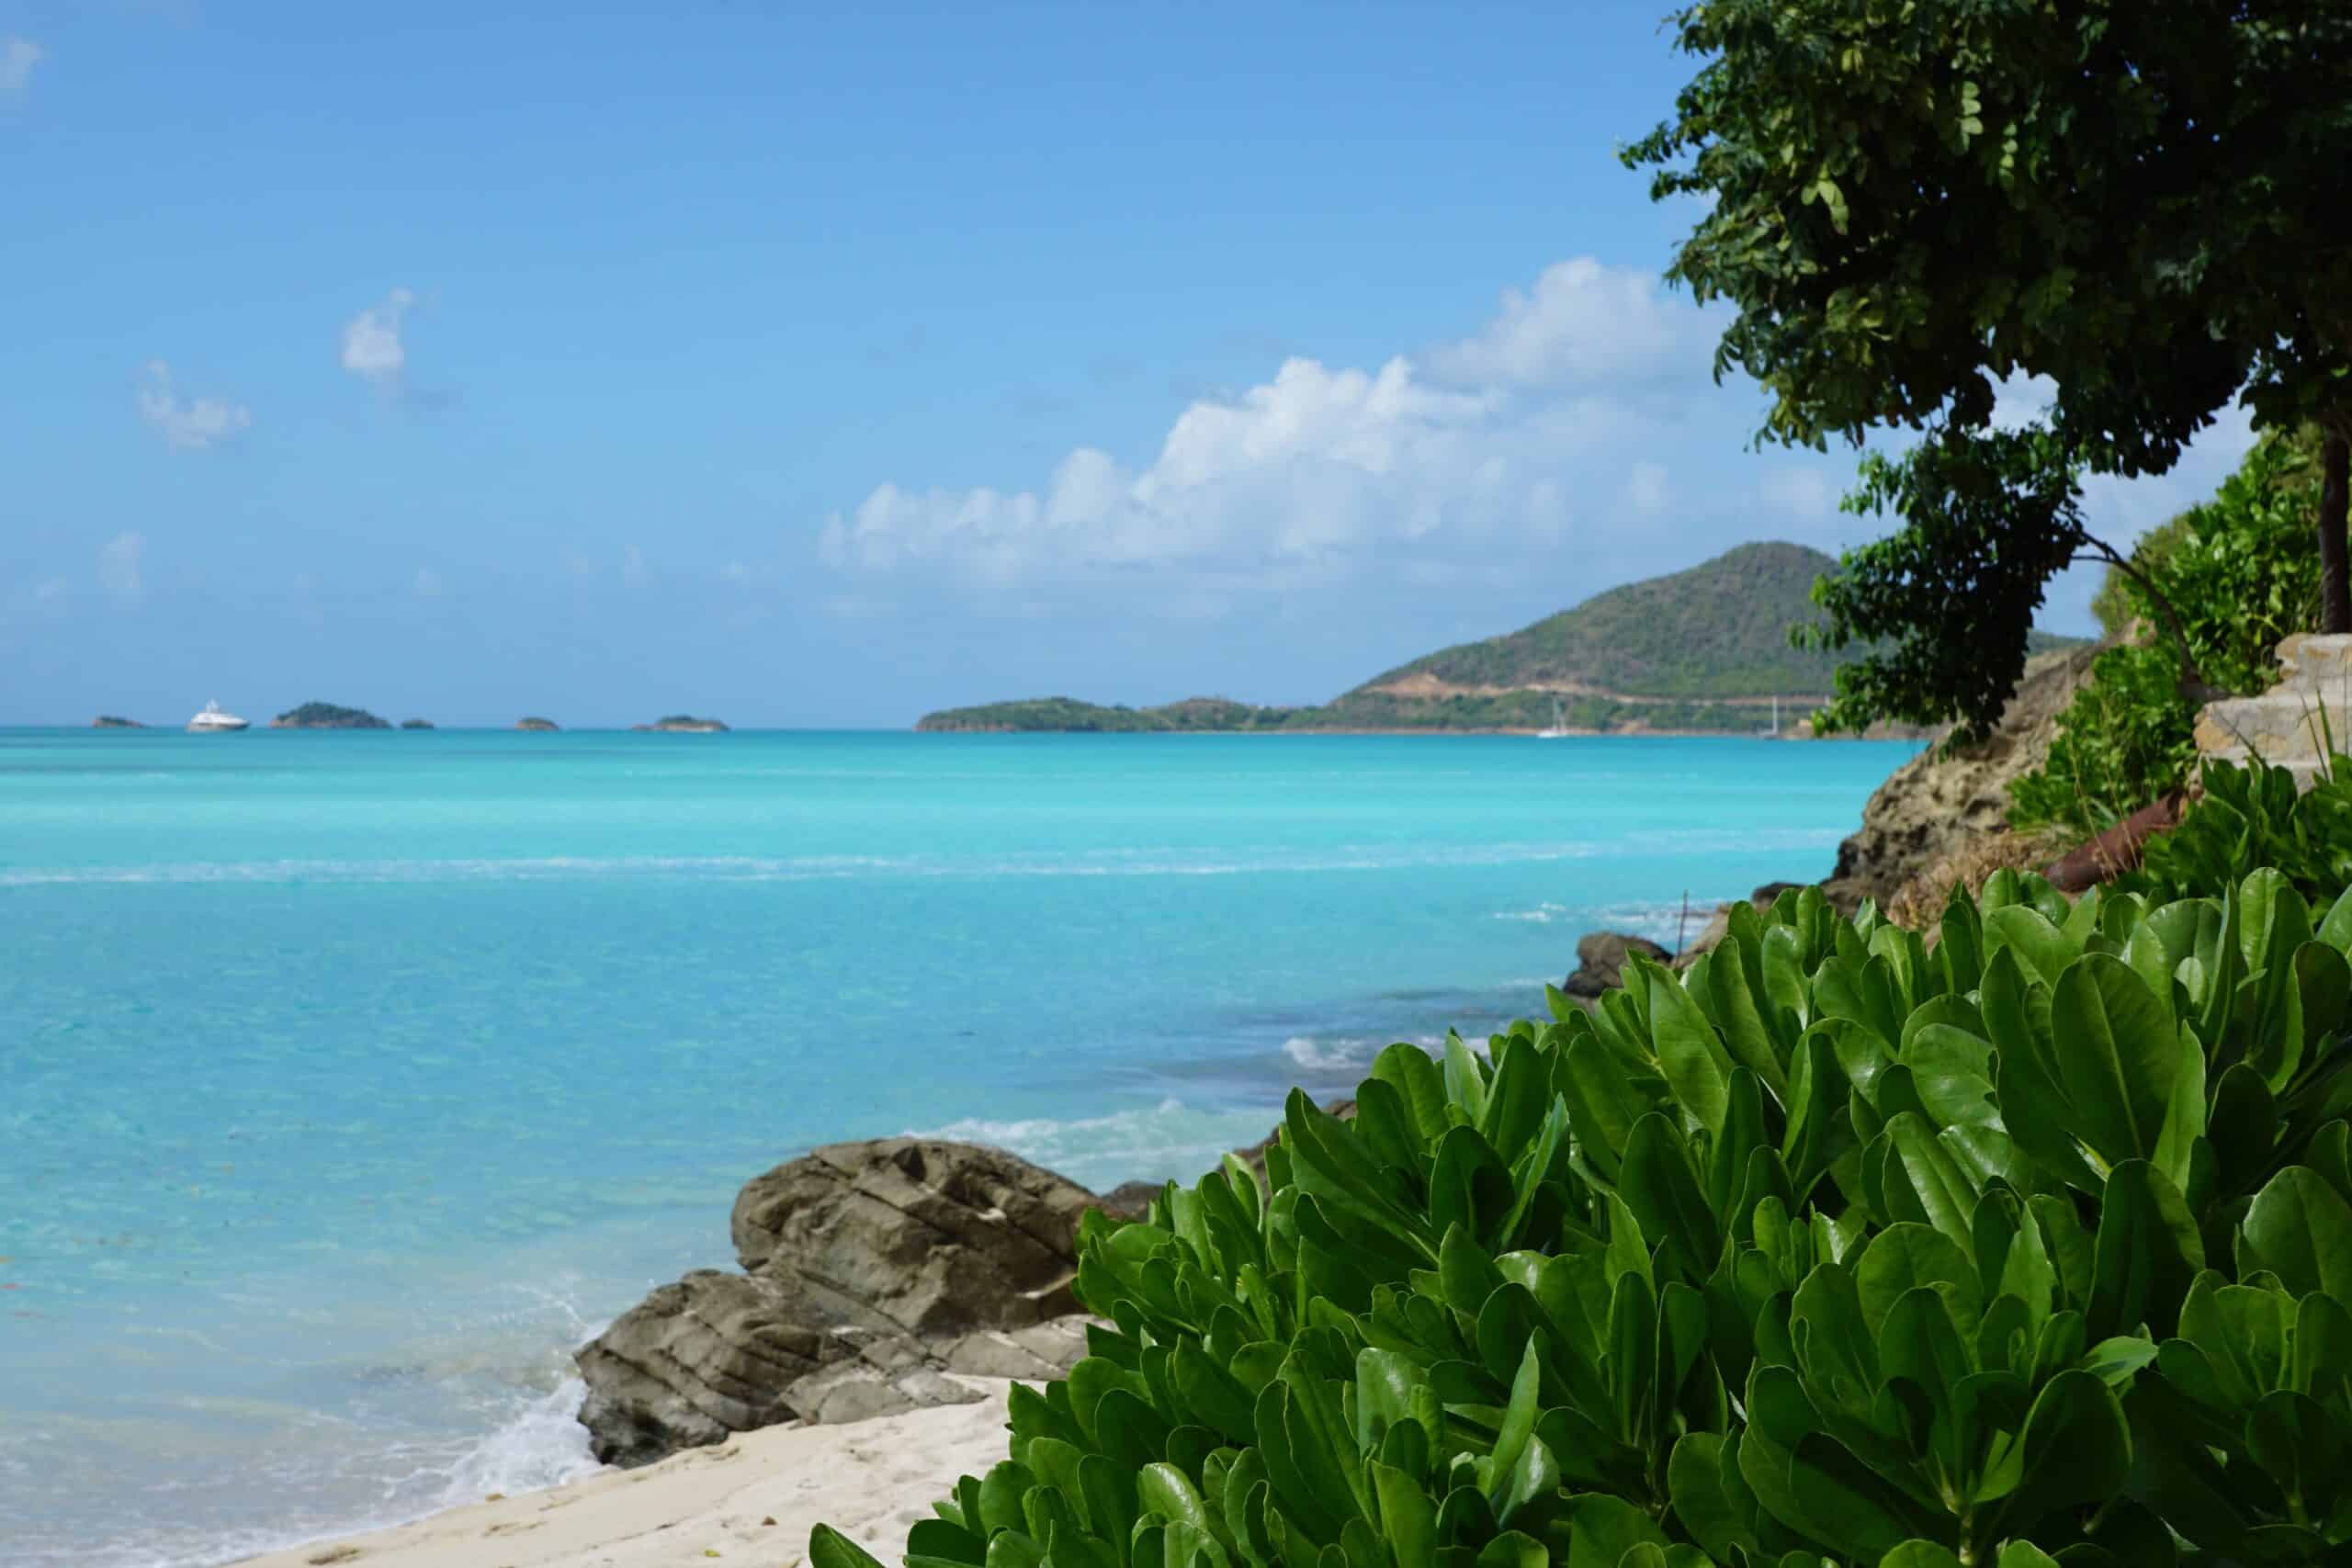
column 937, row 1236
column 873, row 1272
column 1600, row 961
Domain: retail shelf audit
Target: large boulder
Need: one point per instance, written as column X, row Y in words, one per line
column 873, row 1273
column 937, row 1236
column 1600, row 961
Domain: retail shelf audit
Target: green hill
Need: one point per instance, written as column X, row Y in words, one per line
column 1718, row 630
column 1702, row 649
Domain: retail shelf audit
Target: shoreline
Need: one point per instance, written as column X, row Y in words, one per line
column 751, row 1498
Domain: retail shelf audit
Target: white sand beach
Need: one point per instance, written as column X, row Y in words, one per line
column 750, row 1500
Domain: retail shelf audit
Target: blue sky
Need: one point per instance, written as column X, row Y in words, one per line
column 823, row 366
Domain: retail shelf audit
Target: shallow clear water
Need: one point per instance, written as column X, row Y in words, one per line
column 348, row 1080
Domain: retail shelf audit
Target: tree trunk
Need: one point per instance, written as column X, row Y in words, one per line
column 2334, row 587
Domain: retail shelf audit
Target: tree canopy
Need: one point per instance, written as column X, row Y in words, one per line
column 2147, row 208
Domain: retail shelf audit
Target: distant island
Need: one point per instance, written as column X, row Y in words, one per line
column 682, row 723
column 327, row 716
column 115, row 721
column 416, row 723
column 537, row 723
column 1701, row 651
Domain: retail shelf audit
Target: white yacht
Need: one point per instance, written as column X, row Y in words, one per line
column 212, row 721
column 1559, row 730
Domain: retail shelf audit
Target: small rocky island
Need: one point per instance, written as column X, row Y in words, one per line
column 537, row 724
column 115, row 721
column 682, row 723
column 327, row 716
column 416, row 723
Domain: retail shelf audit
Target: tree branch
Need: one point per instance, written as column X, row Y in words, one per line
column 2193, row 684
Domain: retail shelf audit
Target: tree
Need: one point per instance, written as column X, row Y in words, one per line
column 1914, row 202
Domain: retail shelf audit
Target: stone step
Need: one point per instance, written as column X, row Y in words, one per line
column 2316, row 663
column 2282, row 727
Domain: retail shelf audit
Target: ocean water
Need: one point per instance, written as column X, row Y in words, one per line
column 348, row 1080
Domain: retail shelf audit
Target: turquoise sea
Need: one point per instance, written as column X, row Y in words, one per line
column 347, row 1080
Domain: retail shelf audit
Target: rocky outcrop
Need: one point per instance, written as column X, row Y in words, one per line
column 115, row 721
column 416, row 723
column 682, row 723
column 537, row 723
column 1600, row 961
column 873, row 1272
column 1940, row 802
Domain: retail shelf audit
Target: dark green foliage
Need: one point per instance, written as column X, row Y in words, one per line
column 2253, row 817
column 1716, row 630
column 1833, row 1250
column 2116, row 604
column 2237, row 574
column 329, row 715
column 1907, row 206
column 1949, row 599
column 2126, row 739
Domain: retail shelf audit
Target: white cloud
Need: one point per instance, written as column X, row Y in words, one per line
column 371, row 340
column 1315, row 463
column 119, row 568
column 17, row 58
column 1563, row 395
column 1573, row 440
column 1583, row 321
column 186, row 426
column 428, row 583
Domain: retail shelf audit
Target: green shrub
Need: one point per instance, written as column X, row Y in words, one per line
column 2127, row 737
column 2034, row 1246
column 2253, row 817
column 2240, row 573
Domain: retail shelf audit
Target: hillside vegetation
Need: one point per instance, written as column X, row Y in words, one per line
column 1704, row 649
column 1720, row 629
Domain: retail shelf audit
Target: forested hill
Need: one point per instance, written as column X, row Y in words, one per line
column 1720, row 629
column 1702, row 649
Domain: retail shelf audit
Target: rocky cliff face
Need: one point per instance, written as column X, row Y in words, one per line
column 1935, row 805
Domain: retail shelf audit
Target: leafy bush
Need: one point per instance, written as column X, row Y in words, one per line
column 2127, row 738
column 2253, row 817
column 2033, row 1247
column 2240, row 573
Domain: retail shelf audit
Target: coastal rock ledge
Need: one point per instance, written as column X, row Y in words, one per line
column 872, row 1273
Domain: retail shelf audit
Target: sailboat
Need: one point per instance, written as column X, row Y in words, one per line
column 1559, row 730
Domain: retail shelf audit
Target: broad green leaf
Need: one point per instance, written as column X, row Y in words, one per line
column 2045, row 950
column 2299, row 1228
column 2117, row 1055
column 1904, row 1257
column 2077, row 1450
column 2148, row 1253
column 1690, row 1052
column 1852, row 1506
column 827, row 1548
column 1603, row 1529
column 1695, row 1475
